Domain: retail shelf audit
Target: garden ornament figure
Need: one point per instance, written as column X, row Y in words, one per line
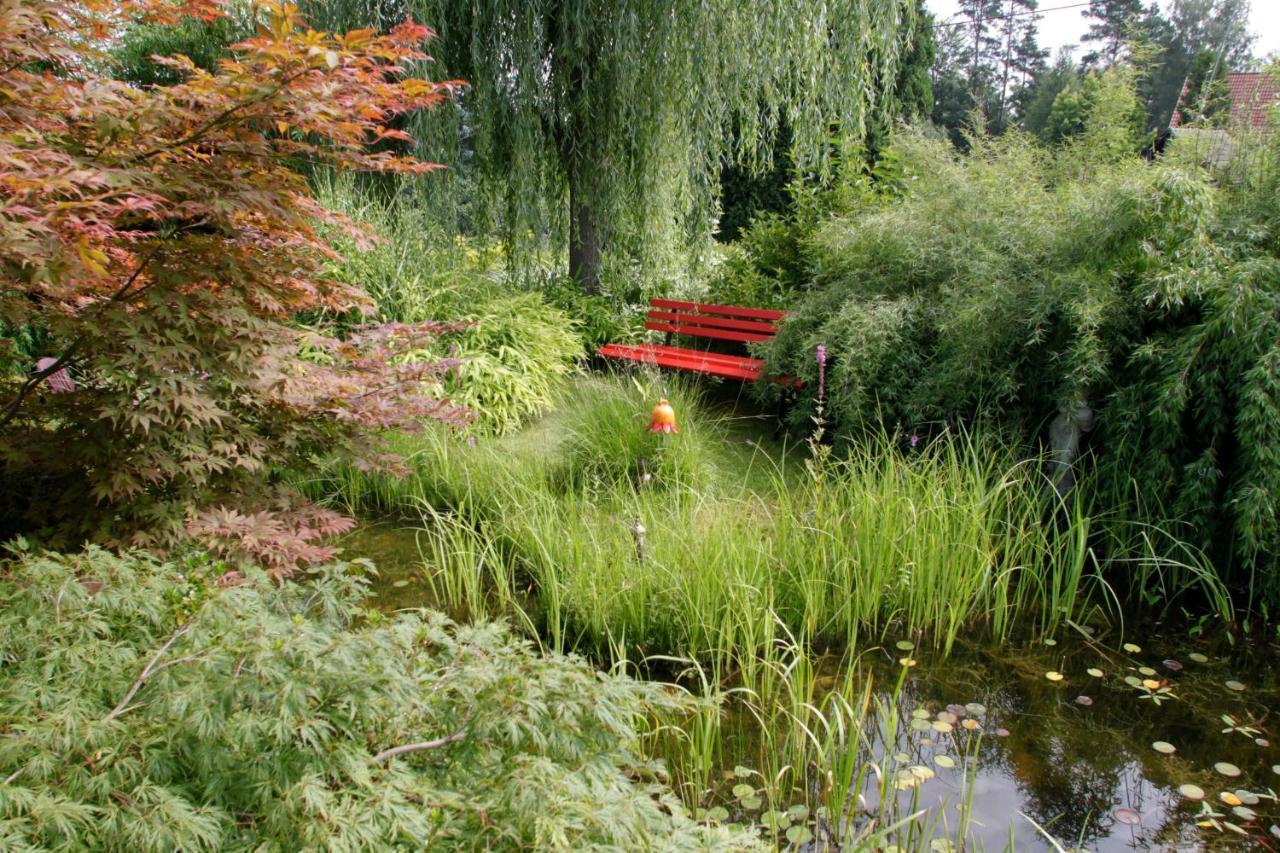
column 663, row 419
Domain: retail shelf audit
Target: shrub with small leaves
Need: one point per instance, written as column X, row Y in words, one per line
column 270, row 716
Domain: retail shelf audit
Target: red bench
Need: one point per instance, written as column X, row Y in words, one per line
column 715, row 322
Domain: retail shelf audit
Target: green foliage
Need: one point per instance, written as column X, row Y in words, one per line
column 621, row 108
column 203, row 42
column 1102, row 105
column 514, row 347
column 256, row 717
column 1008, row 283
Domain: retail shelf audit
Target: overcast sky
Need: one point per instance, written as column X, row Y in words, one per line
column 1065, row 26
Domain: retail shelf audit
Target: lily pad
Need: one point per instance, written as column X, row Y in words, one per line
column 1050, row 641
column 1197, row 657
column 1244, row 812
column 970, row 724
column 1191, row 792
column 921, row 714
column 1001, row 732
column 905, row 645
column 798, row 812
column 742, row 772
column 400, row 584
column 751, row 803
column 1147, row 671
column 718, row 813
column 1163, row 746
column 976, row 708
column 742, row 790
column 1094, row 671
column 1226, row 768
column 1084, row 700
column 1172, row 664
column 944, row 761
column 1249, row 798
column 920, row 725
column 947, row 717
column 1131, row 648
column 921, row 772
column 1150, row 683
column 775, row 821
column 798, row 835
column 1126, row 816
column 1132, row 681
column 940, row 726
column 1052, row 675
column 1234, row 685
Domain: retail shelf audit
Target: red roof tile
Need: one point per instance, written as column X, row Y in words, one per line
column 1253, row 94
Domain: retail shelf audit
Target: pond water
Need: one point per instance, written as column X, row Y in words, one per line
column 1096, row 757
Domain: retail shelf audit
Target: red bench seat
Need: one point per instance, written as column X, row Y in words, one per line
column 715, row 322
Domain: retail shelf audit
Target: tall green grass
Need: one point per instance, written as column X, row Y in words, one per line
column 957, row 537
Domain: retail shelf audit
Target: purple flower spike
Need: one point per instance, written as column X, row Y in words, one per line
column 915, row 439
column 822, row 356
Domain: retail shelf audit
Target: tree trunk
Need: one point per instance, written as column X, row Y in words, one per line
column 584, row 237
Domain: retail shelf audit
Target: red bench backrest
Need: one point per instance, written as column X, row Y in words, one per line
column 724, row 322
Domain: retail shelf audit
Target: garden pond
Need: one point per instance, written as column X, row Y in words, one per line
column 1154, row 741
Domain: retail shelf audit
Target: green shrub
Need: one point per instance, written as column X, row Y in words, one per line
column 146, row 708
column 515, row 347
column 1007, row 284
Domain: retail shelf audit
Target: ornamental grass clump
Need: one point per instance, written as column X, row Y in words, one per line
column 145, row 707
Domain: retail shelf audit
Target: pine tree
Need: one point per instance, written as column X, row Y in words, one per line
column 1114, row 23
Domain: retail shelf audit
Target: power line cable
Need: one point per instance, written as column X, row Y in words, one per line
column 969, row 23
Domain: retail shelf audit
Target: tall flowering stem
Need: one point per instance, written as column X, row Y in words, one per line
column 820, row 453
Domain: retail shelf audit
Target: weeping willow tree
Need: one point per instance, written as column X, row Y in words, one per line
column 607, row 121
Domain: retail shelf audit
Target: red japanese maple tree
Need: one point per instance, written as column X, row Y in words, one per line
column 157, row 245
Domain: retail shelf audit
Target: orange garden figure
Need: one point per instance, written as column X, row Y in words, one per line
column 663, row 418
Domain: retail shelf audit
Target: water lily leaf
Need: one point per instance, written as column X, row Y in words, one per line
column 400, row 584
column 1001, row 732
column 799, row 835
column 1050, row 641
column 798, row 812
column 1234, row 685
column 743, row 790
column 1132, row 681
column 1226, row 768
column 921, row 725
column 1150, row 683
column 1261, row 741
column 1053, row 675
column 921, row 772
column 1131, row 648
column 944, row 761
column 742, row 772
column 1191, row 792
column 905, row 645
column 1094, row 671
column 1126, row 816
column 941, row 845
column 976, row 708
column 1084, row 700
column 1247, row 797
column 719, row 813
column 1170, row 663
column 1146, row 670
column 947, row 717
column 775, row 821
column 1164, row 747
column 751, row 803
column 1275, row 768
column 901, row 757
column 1197, row 657
column 970, row 725
column 921, row 714
column 956, row 711
column 940, row 726
column 1244, row 812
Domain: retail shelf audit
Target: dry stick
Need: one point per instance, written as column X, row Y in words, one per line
column 417, row 747
column 147, row 672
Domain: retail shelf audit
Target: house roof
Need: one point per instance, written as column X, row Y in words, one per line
column 1253, row 94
